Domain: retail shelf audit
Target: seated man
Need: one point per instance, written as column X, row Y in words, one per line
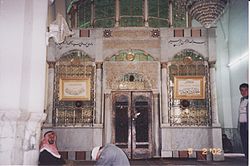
column 109, row 155
column 48, row 151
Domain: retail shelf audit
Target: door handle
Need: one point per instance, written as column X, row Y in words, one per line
column 135, row 115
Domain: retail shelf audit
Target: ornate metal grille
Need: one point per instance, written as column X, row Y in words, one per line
column 74, row 65
column 189, row 112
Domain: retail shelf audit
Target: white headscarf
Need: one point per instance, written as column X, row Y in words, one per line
column 95, row 152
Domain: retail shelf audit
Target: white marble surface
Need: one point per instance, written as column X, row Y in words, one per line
column 196, row 138
column 20, row 136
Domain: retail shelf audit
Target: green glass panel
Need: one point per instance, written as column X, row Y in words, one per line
column 155, row 22
column 158, row 13
column 84, row 14
column 124, row 7
column 131, row 13
column 104, row 8
column 137, row 8
column 119, row 57
column 131, row 7
column 104, row 23
column 188, row 53
column 163, row 9
column 179, row 13
column 153, row 8
column 138, row 56
column 132, row 21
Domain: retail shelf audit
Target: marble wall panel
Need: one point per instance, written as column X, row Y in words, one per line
column 184, row 138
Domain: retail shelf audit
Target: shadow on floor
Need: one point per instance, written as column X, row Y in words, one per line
column 229, row 161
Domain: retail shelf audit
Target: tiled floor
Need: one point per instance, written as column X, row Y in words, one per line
column 229, row 161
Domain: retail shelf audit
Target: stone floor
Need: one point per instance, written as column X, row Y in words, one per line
column 229, row 161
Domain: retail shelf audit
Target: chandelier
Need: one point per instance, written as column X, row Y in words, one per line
column 206, row 12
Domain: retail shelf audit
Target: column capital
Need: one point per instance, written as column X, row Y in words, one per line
column 155, row 95
column 51, row 64
column 99, row 65
column 211, row 64
column 164, row 65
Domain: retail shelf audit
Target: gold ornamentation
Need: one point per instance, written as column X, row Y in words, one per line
column 187, row 60
column 51, row 64
column 130, row 56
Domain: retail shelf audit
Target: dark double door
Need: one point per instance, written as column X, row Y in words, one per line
column 132, row 121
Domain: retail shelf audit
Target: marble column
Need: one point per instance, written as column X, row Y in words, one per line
column 164, row 94
column 117, row 13
column 20, row 137
column 187, row 20
column 215, row 119
column 156, row 124
column 98, row 113
column 32, row 137
column 146, row 13
column 170, row 13
column 108, row 119
column 50, row 90
column 92, row 17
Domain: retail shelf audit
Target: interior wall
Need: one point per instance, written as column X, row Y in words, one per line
column 238, row 47
column 222, row 71
column 232, row 43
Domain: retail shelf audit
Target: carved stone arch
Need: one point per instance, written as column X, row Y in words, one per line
column 189, row 64
column 74, row 66
column 131, row 55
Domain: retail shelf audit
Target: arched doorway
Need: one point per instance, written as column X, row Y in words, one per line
column 131, row 88
column 132, row 123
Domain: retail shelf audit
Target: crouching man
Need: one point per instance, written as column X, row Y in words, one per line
column 109, row 155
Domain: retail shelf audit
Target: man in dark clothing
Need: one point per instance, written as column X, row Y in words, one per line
column 243, row 117
column 109, row 155
column 49, row 154
column 226, row 144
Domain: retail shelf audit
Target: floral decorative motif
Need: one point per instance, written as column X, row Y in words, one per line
column 155, row 33
column 107, row 33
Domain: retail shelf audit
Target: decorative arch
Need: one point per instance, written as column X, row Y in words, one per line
column 74, row 56
column 71, row 67
column 190, row 66
column 190, row 54
column 131, row 55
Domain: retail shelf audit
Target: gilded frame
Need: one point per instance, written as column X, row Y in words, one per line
column 189, row 87
column 74, row 89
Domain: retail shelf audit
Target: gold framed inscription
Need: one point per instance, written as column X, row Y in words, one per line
column 189, row 87
column 74, row 89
